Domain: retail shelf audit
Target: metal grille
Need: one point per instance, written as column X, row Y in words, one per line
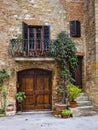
column 28, row 47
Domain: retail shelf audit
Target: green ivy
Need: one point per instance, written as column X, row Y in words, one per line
column 3, row 76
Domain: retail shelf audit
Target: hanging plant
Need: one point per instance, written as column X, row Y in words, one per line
column 64, row 51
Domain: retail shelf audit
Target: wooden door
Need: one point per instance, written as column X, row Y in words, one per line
column 77, row 74
column 36, row 84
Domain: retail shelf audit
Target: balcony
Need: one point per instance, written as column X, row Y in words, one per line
column 30, row 50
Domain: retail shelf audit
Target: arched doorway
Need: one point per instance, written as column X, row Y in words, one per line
column 36, row 83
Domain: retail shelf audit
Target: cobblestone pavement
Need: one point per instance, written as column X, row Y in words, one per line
column 47, row 122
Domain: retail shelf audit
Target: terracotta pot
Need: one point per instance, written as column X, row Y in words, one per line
column 2, row 115
column 65, row 116
column 10, row 108
column 73, row 104
column 60, row 106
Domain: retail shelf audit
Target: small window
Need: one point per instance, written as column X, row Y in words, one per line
column 36, row 38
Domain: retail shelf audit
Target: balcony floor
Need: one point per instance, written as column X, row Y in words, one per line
column 33, row 59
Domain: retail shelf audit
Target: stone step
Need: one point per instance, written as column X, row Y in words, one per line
column 85, row 108
column 83, row 113
column 82, row 94
column 84, row 103
column 87, row 113
column 82, row 98
column 34, row 112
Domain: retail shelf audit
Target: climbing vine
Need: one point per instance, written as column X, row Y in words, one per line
column 64, row 50
column 3, row 76
column 3, row 92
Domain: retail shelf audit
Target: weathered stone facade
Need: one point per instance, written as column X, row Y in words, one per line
column 57, row 14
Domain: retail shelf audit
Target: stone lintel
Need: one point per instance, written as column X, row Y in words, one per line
column 34, row 23
column 80, row 54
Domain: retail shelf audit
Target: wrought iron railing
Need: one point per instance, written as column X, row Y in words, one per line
column 29, row 48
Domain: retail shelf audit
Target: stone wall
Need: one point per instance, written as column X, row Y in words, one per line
column 57, row 14
column 95, row 88
column 91, row 76
column 74, row 11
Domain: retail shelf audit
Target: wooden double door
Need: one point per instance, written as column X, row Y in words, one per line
column 36, row 84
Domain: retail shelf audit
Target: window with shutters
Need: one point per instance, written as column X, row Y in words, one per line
column 35, row 39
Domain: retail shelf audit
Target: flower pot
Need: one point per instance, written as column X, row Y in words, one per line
column 2, row 115
column 10, row 108
column 73, row 104
column 65, row 116
column 60, row 106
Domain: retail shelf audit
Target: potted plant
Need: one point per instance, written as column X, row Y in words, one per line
column 73, row 93
column 66, row 113
column 60, row 105
column 2, row 112
column 64, row 51
column 16, row 47
column 20, row 96
column 10, row 107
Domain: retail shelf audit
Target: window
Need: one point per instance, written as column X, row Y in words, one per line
column 35, row 39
